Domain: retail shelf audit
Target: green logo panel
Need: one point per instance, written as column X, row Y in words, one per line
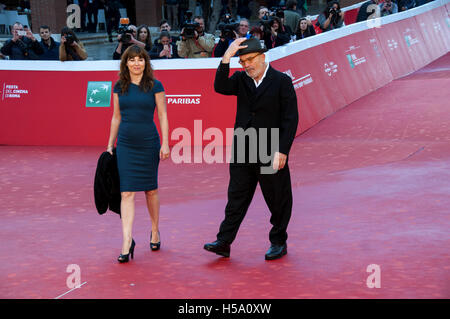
column 407, row 40
column 350, row 60
column 98, row 94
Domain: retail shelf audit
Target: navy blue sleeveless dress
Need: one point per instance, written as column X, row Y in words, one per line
column 138, row 142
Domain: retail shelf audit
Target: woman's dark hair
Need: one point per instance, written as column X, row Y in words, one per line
column 71, row 37
column 307, row 32
column 124, row 74
column 164, row 34
column 148, row 41
column 278, row 20
column 328, row 7
column 67, row 31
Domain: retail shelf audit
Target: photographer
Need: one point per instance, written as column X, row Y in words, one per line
column 71, row 49
column 165, row 26
column 305, row 29
column 291, row 16
column 195, row 43
column 23, row 45
column 279, row 12
column 164, row 49
column 144, row 36
column 388, row 7
column 332, row 17
column 127, row 37
column 228, row 33
column 263, row 13
column 274, row 33
column 50, row 46
column 243, row 28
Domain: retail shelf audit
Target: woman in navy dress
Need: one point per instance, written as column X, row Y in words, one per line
column 136, row 95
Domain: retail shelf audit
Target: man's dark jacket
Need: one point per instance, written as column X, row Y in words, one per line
column 156, row 51
column 50, row 52
column 107, row 184
column 272, row 105
column 22, row 49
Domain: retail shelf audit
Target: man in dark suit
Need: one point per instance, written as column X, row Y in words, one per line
column 266, row 103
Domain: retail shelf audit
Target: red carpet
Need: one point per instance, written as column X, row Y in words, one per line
column 371, row 185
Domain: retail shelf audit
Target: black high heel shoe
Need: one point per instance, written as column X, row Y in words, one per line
column 155, row 246
column 125, row 258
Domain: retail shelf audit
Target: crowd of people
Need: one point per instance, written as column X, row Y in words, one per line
column 276, row 26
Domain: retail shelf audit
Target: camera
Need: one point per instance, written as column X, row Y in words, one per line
column 69, row 39
column 124, row 31
column 333, row 11
column 267, row 24
column 189, row 26
column 277, row 12
column 228, row 27
column 227, row 31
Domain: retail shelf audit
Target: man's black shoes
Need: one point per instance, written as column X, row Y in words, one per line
column 223, row 249
column 218, row 247
column 276, row 251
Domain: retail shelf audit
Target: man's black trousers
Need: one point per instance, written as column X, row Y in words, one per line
column 277, row 192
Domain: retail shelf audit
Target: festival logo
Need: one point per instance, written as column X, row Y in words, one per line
column 12, row 91
column 437, row 26
column 300, row 82
column 303, row 81
column 330, row 68
column 409, row 37
column 98, row 94
column 392, row 44
column 352, row 58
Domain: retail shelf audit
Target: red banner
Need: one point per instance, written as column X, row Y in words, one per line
column 412, row 36
column 432, row 34
column 72, row 104
column 395, row 49
column 315, row 98
column 350, row 16
column 443, row 18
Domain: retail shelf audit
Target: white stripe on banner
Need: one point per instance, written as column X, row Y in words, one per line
column 212, row 63
column 184, row 95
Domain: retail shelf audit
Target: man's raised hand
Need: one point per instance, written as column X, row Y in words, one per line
column 234, row 47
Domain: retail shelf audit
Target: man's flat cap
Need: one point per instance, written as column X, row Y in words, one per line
column 253, row 45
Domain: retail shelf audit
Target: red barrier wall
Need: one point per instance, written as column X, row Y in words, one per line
column 350, row 16
column 51, row 107
column 434, row 42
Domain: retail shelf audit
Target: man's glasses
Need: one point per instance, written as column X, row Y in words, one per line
column 249, row 60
